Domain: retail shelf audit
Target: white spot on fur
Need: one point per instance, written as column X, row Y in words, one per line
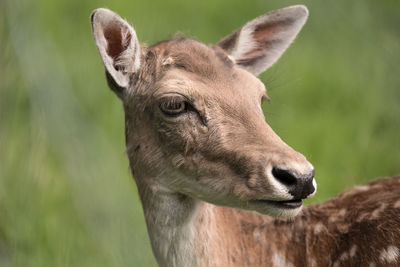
column 356, row 190
column 376, row 213
column 342, row 212
column 397, row 204
column 344, row 256
column 338, row 216
column 353, row 251
column 318, row 228
column 313, row 262
column 343, row 227
column 280, row 261
column 361, row 188
column 390, row 254
column 362, row 217
column 372, row 264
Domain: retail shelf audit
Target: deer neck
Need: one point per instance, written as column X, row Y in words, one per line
column 189, row 232
column 170, row 219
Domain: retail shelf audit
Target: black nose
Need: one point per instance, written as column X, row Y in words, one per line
column 299, row 185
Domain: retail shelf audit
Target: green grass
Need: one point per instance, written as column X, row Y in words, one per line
column 66, row 194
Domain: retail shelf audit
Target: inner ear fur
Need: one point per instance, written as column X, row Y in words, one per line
column 118, row 47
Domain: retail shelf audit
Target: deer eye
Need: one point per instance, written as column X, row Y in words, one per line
column 173, row 106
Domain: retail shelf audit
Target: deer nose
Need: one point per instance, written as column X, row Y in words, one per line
column 299, row 185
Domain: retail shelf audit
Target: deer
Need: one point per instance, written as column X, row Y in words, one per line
column 218, row 186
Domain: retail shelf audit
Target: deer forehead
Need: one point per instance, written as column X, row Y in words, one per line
column 187, row 66
column 241, row 85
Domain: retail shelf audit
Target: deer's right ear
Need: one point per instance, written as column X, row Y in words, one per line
column 118, row 46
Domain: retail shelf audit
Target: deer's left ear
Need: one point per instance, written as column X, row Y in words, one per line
column 118, row 46
column 261, row 41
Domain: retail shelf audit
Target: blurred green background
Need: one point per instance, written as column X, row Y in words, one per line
column 66, row 194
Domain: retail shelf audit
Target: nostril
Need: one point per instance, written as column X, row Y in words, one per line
column 298, row 185
column 284, row 176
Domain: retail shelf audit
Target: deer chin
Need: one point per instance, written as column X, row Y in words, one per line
column 276, row 208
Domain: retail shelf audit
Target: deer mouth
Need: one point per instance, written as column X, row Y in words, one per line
column 285, row 204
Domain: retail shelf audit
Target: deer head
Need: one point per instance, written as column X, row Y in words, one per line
column 194, row 123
